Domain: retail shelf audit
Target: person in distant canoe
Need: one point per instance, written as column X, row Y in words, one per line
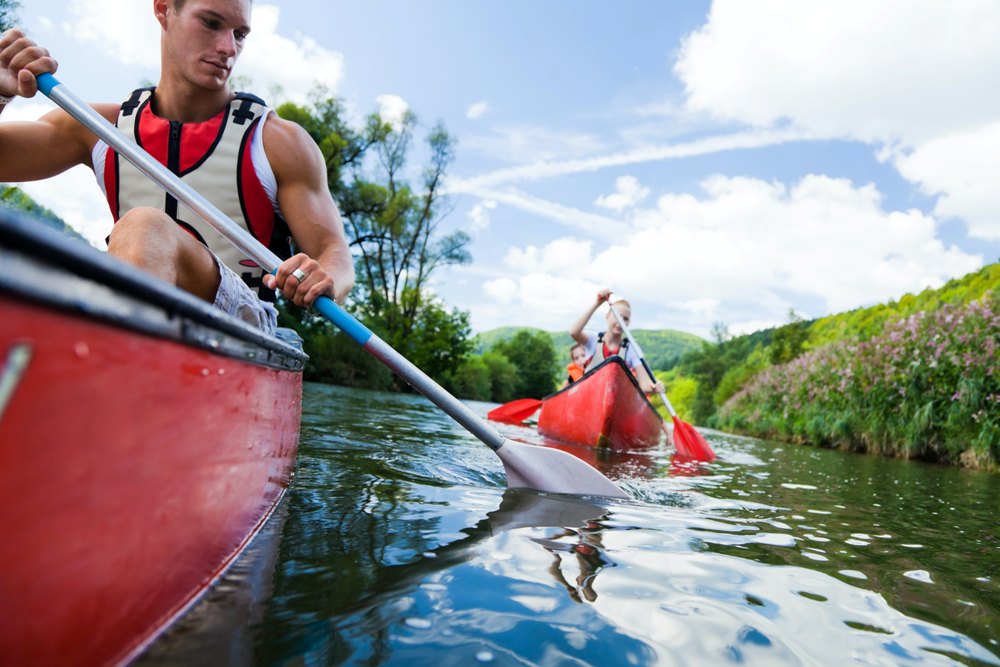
column 575, row 368
column 612, row 341
column 264, row 172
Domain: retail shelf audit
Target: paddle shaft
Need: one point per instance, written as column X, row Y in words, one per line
column 642, row 358
column 242, row 239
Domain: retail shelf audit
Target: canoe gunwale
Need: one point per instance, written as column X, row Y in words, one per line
column 46, row 267
column 591, row 372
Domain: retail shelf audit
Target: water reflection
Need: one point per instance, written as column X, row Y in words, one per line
column 578, row 537
column 402, row 546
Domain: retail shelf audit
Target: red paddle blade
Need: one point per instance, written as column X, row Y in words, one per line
column 689, row 443
column 514, row 412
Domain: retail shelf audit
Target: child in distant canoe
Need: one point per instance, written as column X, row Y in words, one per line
column 574, row 369
column 612, row 341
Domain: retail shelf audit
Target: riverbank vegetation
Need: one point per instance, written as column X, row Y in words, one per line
column 917, row 378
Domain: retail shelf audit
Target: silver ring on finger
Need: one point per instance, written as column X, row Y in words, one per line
column 299, row 275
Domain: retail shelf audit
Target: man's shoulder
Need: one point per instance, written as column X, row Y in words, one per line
column 283, row 134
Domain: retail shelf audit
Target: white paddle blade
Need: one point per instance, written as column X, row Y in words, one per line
column 553, row 471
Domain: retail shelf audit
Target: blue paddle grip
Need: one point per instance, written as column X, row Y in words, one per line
column 343, row 320
column 46, row 82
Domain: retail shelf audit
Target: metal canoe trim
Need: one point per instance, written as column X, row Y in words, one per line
column 13, row 369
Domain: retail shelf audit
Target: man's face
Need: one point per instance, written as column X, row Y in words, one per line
column 205, row 37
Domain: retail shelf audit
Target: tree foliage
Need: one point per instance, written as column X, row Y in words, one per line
column 394, row 229
column 723, row 368
column 8, row 14
column 534, row 356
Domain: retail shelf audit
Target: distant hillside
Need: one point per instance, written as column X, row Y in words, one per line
column 864, row 323
column 663, row 347
column 15, row 198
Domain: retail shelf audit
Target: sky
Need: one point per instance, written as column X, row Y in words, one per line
column 723, row 162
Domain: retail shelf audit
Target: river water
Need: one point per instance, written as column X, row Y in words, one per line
column 399, row 544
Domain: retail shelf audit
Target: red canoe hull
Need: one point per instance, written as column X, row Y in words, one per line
column 604, row 409
column 133, row 470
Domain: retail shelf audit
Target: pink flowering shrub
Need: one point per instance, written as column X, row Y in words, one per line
column 927, row 387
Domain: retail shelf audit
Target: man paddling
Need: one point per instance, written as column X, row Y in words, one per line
column 611, row 341
column 264, row 172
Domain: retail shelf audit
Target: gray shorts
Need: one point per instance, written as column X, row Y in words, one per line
column 235, row 298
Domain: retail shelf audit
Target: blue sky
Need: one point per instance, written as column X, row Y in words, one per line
column 710, row 161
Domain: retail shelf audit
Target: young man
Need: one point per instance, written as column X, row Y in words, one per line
column 612, row 341
column 262, row 171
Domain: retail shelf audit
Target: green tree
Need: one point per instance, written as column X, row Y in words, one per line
column 393, row 228
column 472, row 379
column 438, row 341
column 788, row 342
column 534, row 356
column 504, row 379
column 8, row 14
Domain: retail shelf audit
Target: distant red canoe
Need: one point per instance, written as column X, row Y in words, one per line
column 605, row 408
column 145, row 439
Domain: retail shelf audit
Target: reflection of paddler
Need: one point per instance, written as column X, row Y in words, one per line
column 590, row 559
column 519, row 508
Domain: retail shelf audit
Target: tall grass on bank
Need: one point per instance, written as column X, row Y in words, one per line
column 928, row 388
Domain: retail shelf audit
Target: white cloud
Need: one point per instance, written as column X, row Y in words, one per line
column 392, row 109
column 479, row 215
column 575, row 219
column 501, row 289
column 476, row 111
column 745, row 252
column 294, row 65
column 918, row 76
column 964, row 170
column 128, row 32
column 564, row 255
column 905, row 70
column 628, row 193
column 125, row 31
column 542, row 169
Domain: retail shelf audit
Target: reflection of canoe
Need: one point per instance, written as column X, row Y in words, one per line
column 605, row 408
column 145, row 439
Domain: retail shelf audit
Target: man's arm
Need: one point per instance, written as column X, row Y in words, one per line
column 38, row 149
column 312, row 217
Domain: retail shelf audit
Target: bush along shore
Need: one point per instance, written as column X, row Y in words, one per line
column 927, row 388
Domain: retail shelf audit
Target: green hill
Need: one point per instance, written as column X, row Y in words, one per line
column 663, row 347
column 15, row 198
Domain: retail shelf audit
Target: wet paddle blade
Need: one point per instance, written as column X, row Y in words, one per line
column 553, row 471
column 689, row 443
column 514, row 412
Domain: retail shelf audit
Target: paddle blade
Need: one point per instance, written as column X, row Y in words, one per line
column 553, row 471
column 691, row 444
column 515, row 412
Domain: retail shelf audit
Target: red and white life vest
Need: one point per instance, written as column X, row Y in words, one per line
column 214, row 158
column 602, row 352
